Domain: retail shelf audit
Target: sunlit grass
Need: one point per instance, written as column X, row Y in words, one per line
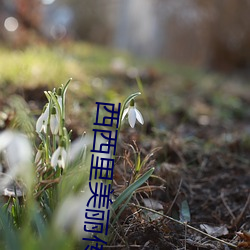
column 51, row 64
column 33, row 65
column 41, row 64
column 38, row 65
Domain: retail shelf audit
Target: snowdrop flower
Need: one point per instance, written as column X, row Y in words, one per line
column 54, row 121
column 70, row 215
column 42, row 122
column 59, row 157
column 133, row 114
column 17, row 152
column 79, row 149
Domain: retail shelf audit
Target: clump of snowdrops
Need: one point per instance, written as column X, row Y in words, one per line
column 47, row 173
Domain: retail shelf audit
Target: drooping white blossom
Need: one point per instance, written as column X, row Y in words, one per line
column 42, row 122
column 16, row 149
column 59, row 157
column 54, row 121
column 70, row 215
column 133, row 114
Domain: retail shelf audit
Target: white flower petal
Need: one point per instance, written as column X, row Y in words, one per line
column 70, row 215
column 42, row 121
column 133, row 114
column 19, row 151
column 63, row 158
column 59, row 99
column 55, row 156
column 64, row 154
column 44, row 127
column 54, row 124
column 59, row 158
column 46, row 113
column 61, row 163
column 18, row 155
column 132, row 117
column 78, row 147
column 124, row 113
column 5, row 139
column 39, row 123
column 139, row 116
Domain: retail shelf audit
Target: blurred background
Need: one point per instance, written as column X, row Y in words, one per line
column 193, row 60
column 211, row 34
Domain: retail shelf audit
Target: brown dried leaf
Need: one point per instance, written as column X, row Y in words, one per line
column 245, row 236
column 214, row 230
column 152, row 204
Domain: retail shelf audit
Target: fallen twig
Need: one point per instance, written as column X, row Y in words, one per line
column 184, row 224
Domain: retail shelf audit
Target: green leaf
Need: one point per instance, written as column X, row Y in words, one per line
column 65, row 87
column 128, row 191
column 138, row 163
column 185, row 212
column 122, row 208
column 11, row 237
column 39, row 222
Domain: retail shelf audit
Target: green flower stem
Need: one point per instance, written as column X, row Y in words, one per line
column 140, row 86
column 66, row 138
column 65, row 87
column 53, row 97
column 47, row 137
column 53, row 143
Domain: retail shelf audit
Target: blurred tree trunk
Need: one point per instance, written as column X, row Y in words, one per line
column 28, row 13
column 212, row 33
column 229, row 34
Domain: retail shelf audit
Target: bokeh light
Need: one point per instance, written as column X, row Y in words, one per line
column 58, row 31
column 11, row 24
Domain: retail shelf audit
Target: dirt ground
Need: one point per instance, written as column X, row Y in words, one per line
column 214, row 184
column 201, row 166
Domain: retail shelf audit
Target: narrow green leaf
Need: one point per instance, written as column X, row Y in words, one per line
column 39, row 222
column 122, row 209
column 139, row 84
column 138, row 163
column 65, row 87
column 128, row 191
column 185, row 212
column 11, row 237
